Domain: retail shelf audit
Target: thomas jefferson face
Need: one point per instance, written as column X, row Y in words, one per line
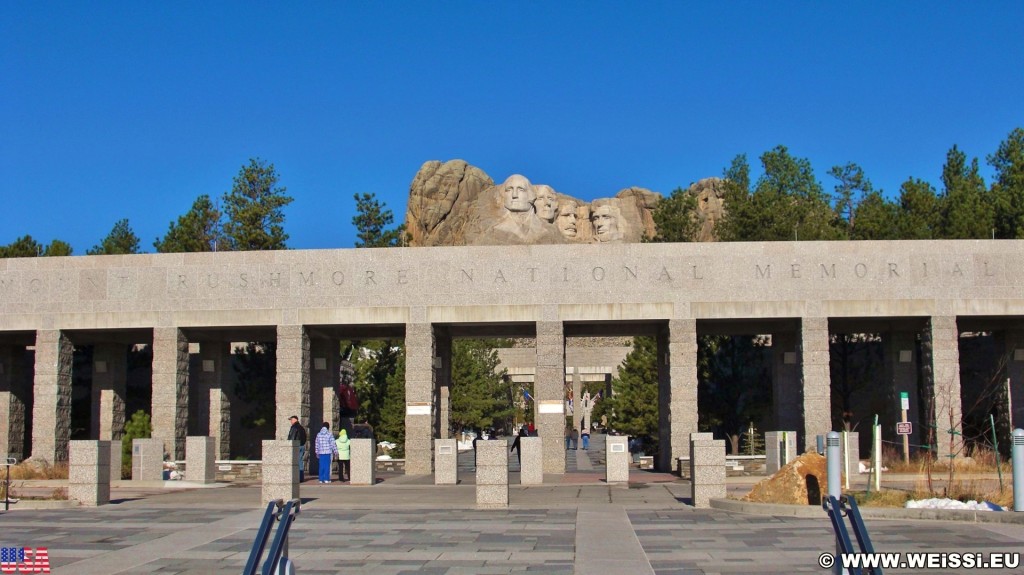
column 606, row 224
column 518, row 194
column 546, row 204
column 567, row 220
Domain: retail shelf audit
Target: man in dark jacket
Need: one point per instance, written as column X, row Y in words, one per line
column 298, row 433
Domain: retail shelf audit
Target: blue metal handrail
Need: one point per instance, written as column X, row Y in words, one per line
column 276, row 510
column 846, row 506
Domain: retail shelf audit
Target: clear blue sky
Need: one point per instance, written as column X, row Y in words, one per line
column 113, row 110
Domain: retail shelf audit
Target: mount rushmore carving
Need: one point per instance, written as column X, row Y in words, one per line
column 454, row 203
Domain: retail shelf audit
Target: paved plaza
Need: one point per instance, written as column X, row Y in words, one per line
column 574, row 523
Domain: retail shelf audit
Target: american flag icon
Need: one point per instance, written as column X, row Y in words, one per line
column 24, row 560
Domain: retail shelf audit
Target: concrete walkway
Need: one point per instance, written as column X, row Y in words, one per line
column 406, row 525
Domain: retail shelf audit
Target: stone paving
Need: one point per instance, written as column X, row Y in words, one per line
column 573, row 523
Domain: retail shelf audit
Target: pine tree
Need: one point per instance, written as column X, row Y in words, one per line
column 852, row 187
column 372, row 220
column 675, row 218
column 1008, row 187
column 254, row 209
column 480, row 397
column 875, row 218
column 120, row 240
column 753, row 441
column 196, row 231
column 919, row 216
column 633, row 407
column 967, row 211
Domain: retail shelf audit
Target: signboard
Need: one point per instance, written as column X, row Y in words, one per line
column 618, row 448
column 904, row 400
column 904, row 428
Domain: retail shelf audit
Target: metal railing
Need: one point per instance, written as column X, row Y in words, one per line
column 7, row 483
column 277, row 562
column 846, row 506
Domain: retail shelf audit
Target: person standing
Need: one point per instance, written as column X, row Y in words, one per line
column 575, row 438
column 325, row 451
column 568, row 437
column 517, row 446
column 344, row 445
column 585, row 435
column 298, row 433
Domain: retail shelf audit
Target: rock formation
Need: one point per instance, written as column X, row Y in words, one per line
column 710, row 194
column 454, row 203
column 800, row 482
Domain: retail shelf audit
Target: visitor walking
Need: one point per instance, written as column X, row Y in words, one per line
column 298, row 433
column 517, row 446
column 344, row 445
column 325, row 450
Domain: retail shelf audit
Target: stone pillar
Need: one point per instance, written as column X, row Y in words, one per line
column 707, row 471
column 787, row 399
column 323, row 380
column 677, row 391
column 941, row 362
column 89, row 472
column 419, row 389
column 1015, row 373
column 292, row 387
column 531, row 467
column 779, row 449
column 214, row 377
column 51, row 408
column 852, row 446
column 199, row 459
column 446, row 455
column 549, row 391
column 443, row 380
column 900, row 364
column 170, row 389
column 491, row 474
column 109, row 382
column 148, row 459
column 617, row 459
column 364, row 462
column 816, row 379
column 577, row 404
column 13, row 402
column 280, row 471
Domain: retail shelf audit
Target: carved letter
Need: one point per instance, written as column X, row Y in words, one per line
column 182, row 281
column 629, row 271
column 307, row 280
column 925, row 264
column 765, row 273
column 696, row 275
column 987, row 271
column 860, row 270
column 794, row 271
column 500, row 276
column 6, row 283
column 893, row 271
column 402, row 280
column 828, row 272
column 338, row 277
column 369, row 278
column 35, row 283
column 957, row 271
column 664, row 274
column 533, row 274
column 565, row 274
column 210, row 282
column 275, row 279
column 468, row 275
column 244, row 279
column 597, row 274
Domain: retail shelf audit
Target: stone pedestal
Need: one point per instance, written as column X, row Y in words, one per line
column 419, row 389
column 617, row 455
column 148, row 459
column 446, row 456
column 532, row 461
column 707, row 471
column 491, row 474
column 170, row 389
column 280, row 471
column 853, row 445
column 89, row 472
column 199, row 459
column 779, row 449
column 364, row 462
column 115, row 460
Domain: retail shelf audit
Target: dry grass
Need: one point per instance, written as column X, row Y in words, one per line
column 981, row 460
column 39, row 470
column 60, row 493
column 883, row 498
